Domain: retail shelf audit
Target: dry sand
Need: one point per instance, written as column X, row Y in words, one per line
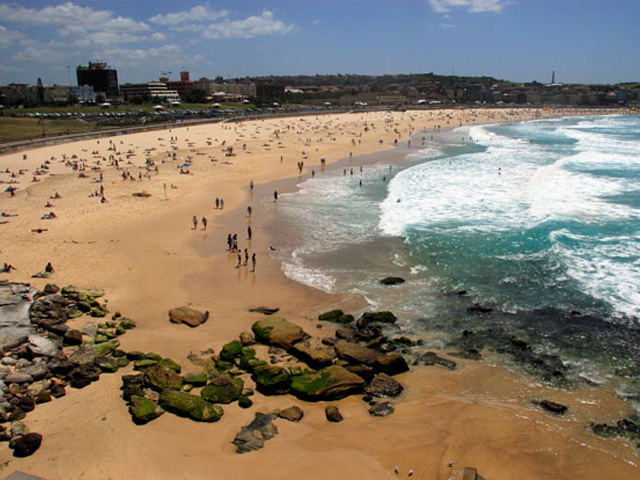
column 145, row 254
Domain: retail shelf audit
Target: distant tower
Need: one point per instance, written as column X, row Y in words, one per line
column 553, row 77
column 184, row 76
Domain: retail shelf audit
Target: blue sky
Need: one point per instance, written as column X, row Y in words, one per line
column 584, row 41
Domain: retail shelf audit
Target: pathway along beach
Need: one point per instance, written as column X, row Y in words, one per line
column 146, row 255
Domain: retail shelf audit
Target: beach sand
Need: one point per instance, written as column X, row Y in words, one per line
column 148, row 258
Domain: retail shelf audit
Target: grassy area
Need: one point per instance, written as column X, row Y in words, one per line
column 21, row 128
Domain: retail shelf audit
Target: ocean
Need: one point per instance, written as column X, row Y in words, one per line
column 538, row 222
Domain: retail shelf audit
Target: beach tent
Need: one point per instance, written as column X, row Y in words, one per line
column 158, row 107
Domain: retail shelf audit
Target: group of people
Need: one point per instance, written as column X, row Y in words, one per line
column 232, row 246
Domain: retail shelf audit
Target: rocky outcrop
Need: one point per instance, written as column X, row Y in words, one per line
column 383, row 385
column 27, row 444
column 293, row 414
column 161, row 378
column 330, row 383
column 143, row 410
column 277, row 331
column 314, row 357
column 271, row 380
column 432, row 358
column 188, row 316
column 369, row 318
column 392, row 281
column 223, row 389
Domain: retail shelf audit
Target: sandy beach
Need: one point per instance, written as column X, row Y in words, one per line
column 146, row 254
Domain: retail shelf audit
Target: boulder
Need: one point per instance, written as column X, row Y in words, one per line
column 314, row 357
column 277, row 331
column 40, row 345
column 381, row 409
column 253, row 436
column 368, row 318
column 383, row 385
column 37, row 371
column 27, row 444
column 331, row 316
column 132, row 385
column 231, row 350
column 329, row 383
column 88, row 352
column 188, row 316
column 106, row 364
column 293, row 414
column 190, row 406
column 247, row 339
column 391, row 363
column 170, row 364
column 223, row 389
column 161, row 378
column 143, row 410
column 333, row 414
column 72, row 337
column 18, row 377
column 392, row 281
column 83, row 375
column 271, row 380
column 355, row 353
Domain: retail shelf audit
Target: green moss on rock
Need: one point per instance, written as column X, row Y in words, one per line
column 231, row 350
column 190, row 406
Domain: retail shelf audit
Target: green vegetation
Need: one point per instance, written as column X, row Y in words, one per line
column 22, row 128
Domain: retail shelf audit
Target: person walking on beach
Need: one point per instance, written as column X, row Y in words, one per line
column 195, row 222
column 253, row 262
column 249, row 232
column 204, row 222
column 249, row 211
column 217, row 202
column 246, row 257
column 251, row 185
column 229, row 242
column 239, row 260
column 275, row 196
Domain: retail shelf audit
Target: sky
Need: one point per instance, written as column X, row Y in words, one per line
column 583, row 41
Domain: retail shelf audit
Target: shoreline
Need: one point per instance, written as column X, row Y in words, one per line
column 148, row 264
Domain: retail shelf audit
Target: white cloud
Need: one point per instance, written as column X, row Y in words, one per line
column 200, row 13
column 38, row 54
column 68, row 14
column 163, row 55
column 9, row 37
column 473, row 6
column 256, row 25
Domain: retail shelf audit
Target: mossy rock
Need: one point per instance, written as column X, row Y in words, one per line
column 153, row 356
column 143, row 410
column 100, row 338
column 161, row 378
column 98, row 312
column 135, row 355
column 122, row 362
column 271, row 380
column 223, row 365
column 120, row 331
column 231, row 350
column 127, row 323
column 170, row 364
column 76, row 292
column 330, row 383
column 197, row 379
column 106, row 364
column 245, row 402
column 223, row 389
column 277, row 331
column 143, row 364
column 190, row 406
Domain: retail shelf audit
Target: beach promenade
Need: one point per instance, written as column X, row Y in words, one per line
column 123, row 210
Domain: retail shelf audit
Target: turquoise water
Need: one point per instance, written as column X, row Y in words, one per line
column 539, row 220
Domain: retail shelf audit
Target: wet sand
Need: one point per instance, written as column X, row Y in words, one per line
column 145, row 254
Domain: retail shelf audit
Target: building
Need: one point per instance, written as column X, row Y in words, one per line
column 148, row 92
column 183, row 87
column 102, row 78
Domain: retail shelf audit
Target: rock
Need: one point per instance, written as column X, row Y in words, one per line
column 197, row 379
column 553, row 407
column 18, row 429
column 247, row 339
column 161, row 378
column 27, row 445
column 383, row 385
column 354, row 353
column 126, row 323
column 190, row 406
column 82, row 293
column 88, row 352
column 368, row 318
column 18, row 377
column 141, row 365
column 265, row 310
column 248, row 360
column 41, row 346
column 83, row 375
column 223, row 389
column 329, row 383
column 170, row 364
column 391, row 364
column 42, row 396
column 467, row 354
column 271, row 380
column 333, row 414
column 57, row 389
column 253, row 436
column 479, row 308
column 132, row 385
column 314, row 357
column 331, row 316
column 366, row 373
column 244, row 402
column 50, row 289
column 431, row 358
column 26, row 404
column 231, row 350
column 392, row 281
column 143, row 410
column 188, row 316
column 72, row 337
column 293, row 414
column 277, row 331
column 106, row 364
column 381, row 409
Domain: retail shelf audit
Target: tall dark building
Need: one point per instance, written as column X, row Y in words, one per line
column 102, row 78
